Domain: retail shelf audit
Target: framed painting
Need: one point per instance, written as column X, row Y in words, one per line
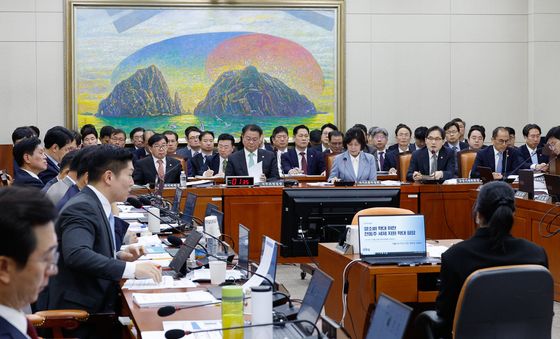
column 166, row 65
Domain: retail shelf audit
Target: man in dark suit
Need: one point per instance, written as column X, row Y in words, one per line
column 325, row 130
column 158, row 165
column 218, row 164
column 27, row 256
column 503, row 160
column 192, row 134
column 143, row 152
column 31, row 160
column 58, row 142
column 201, row 161
column 453, row 137
column 433, row 160
column 301, row 159
column 250, row 155
column 531, row 151
column 90, row 265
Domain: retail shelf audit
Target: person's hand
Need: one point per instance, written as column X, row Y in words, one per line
column 392, row 171
column 130, row 238
column 497, row 176
column 208, row 173
column 334, row 179
column 263, row 178
column 148, row 270
column 438, row 175
column 541, row 167
column 295, row 170
column 416, row 176
column 131, row 253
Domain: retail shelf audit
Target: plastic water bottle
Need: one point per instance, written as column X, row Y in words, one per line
column 212, row 246
column 232, row 311
column 183, row 179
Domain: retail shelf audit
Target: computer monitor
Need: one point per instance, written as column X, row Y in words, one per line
column 177, row 200
column 527, row 182
column 243, row 248
column 188, row 210
column 553, row 186
column 389, row 319
column 314, row 299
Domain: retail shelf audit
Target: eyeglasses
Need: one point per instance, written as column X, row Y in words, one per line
column 249, row 139
column 162, row 146
column 194, row 137
column 451, row 132
column 434, row 139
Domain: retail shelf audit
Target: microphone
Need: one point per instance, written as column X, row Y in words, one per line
column 166, row 311
column 177, row 333
column 174, row 241
column 137, row 204
column 504, row 177
column 145, row 201
column 525, row 160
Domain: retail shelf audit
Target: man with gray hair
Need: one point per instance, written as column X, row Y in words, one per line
column 377, row 145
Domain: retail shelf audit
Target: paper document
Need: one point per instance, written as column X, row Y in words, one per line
column 263, row 268
column 172, row 299
column 197, row 325
column 320, row 184
column 203, row 274
column 149, row 240
column 435, row 251
column 153, row 334
column 150, row 284
column 131, row 215
column 256, row 171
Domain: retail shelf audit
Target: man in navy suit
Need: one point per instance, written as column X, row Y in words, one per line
column 503, row 160
column 434, row 160
column 31, row 160
column 453, row 137
column 143, row 152
column 201, row 161
column 251, row 155
column 28, row 256
column 192, row 134
column 58, row 142
column 157, row 165
column 217, row 165
column 301, row 159
column 531, row 151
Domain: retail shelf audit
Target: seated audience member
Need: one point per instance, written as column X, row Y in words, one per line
column 403, row 134
column 420, row 137
column 77, row 139
column 434, row 160
column 476, row 137
column 250, row 155
column 137, row 138
column 201, row 161
column 553, row 141
column 315, row 138
column 265, row 145
column 143, row 152
column 336, row 142
column 530, row 151
column 491, row 245
column 453, row 137
column 21, row 133
column 67, row 178
column 89, row 135
column 279, row 141
column 118, row 138
column 462, row 127
column 354, row 164
column 58, row 141
column 192, row 134
column 90, row 265
column 511, row 140
column 36, row 130
column 28, row 256
column 503, row 160
column 172, row 143
column 158, row 165
column 31, row 159
column 325, row 130
column 377, row 138
column 78, row 171
column 105, row 134
column 362, row 128
column 302, row 159
column 217, row 165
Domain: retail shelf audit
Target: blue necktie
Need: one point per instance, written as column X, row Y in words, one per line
column 112, row 226
column 500, row 161
column 534, row 158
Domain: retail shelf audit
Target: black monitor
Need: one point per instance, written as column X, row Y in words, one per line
column 527, row 182
column 243, row 248
column 553, row 186
column 188, row 210
column 177, row 200
column 321, row 214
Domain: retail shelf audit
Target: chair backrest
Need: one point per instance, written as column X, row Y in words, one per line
column 184, row 164
column 380, row 211
column 402, row 165
column 465, row 159
column 329, row 161
column 506, row 302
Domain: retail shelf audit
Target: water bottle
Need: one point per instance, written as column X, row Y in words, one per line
column 199, row 253
column 232, row 311
column 183, row 179
column 212, row 246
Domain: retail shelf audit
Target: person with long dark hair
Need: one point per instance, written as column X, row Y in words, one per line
column 491, row 245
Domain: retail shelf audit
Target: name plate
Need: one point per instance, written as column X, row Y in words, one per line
column 522, row 195
column 544, row 198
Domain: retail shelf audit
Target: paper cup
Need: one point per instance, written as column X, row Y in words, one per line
column 217, row 272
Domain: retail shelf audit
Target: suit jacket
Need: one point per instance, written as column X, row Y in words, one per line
column 373, row 151
column 8, row 331
column 198, row 164
column 486, row 158
column 392, row 158
column 214, row 163
column 139, row 154
column 395, row 147
column 342, row 167
column 185, row 153
column 237, row 166
column 70, row 193
column 146, row 172
column 315, row 161
column 57, row 191
column 48, row 184
column 420, row 162
column 22, row 178
column 462, row 145
column 51, row 171
column 524, row 151
column 88, row 274
column 459, row 261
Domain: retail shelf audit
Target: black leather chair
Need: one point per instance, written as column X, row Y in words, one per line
column 500, row 302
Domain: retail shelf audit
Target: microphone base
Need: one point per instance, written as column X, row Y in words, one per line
column 286, row 311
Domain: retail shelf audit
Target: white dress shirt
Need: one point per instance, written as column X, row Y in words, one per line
column 31, row 173
column 279, row 160
column 356, row 163
column 16, row 318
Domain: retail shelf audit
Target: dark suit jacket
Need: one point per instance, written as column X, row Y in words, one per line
column 88, row 273
column 459, row 261
column 185, row 153
column 51, row 171
column 486, row 158
column 237, row 166
column 462, row 145
column 8, row 331
column 139, row 154
column 22, row 178
column 392, row 158
column 146, row 172
column 315, row 161
column 214, row 163
column 71, row 192
column 395, row 147
column 420, row 162
column 524, row 151
column 198, row 164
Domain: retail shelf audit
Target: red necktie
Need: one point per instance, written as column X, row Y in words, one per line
column 31, row 332
column 303, row 162
column 160, row 172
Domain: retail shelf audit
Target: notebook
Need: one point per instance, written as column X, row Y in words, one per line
column 393, row 239
column 389, row 319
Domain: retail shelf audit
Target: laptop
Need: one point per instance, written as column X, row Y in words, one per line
column 553, row 186
column 243, row 249
column 188, row 210
column 486, row 175
column 527, row 182
column 389, row 319
column 310, row 308
column 393, row 239
column 179, row 262
column 177, row 200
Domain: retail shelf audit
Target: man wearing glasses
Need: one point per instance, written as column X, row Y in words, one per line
column 28, row 255
column 158, row 166
column 503, row 160
column 433, row 161
column 240, row 162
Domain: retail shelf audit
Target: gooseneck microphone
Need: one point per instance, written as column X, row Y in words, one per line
column 166, row 311
column 525, row 160
column 137, row 204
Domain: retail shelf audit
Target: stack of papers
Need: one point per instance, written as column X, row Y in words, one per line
column 203, row 274
column 149, row 240
column 172, row 299
column 435, row 251
column 150, row 284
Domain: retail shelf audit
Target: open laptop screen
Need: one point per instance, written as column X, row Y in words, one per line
column 389, row 319
column 243, row 248
column 177, row 200
column 314, row 299
column 392, row 235
column 188, row 211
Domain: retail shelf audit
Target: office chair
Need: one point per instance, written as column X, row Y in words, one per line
column 329, row 161
column 380, row 211
column 465, row 159
column 403, row 164
column 500, row 302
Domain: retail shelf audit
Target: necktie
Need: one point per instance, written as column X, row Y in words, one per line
column 499, row 168
column 381, row 160
column 31, row 332
column 160, row 172
column 534, row 157
column 433, row 164
column 303, row 162
column 112, row 225
column 455, row 149
column 251, row 160
column 224, row 165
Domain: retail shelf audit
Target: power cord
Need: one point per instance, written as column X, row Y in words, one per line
column 345, row 287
